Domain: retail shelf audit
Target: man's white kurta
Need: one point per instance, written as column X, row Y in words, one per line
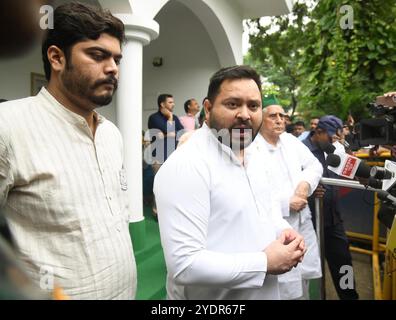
column 63, row 193
column 213, row 228
column 286, row 165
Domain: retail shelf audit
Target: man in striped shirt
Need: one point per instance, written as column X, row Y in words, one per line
column 62, row 184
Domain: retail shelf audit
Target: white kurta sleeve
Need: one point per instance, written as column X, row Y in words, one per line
column 312, row 169
column 279, row 207
column 182, row 192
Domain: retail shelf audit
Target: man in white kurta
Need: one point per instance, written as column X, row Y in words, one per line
column 215, row 230
column 295, row 174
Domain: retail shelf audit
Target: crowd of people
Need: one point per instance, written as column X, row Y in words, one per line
column 234, row 199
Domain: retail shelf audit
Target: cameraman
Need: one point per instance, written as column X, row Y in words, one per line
column 391, row 148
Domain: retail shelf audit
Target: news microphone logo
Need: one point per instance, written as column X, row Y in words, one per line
column 349, row 167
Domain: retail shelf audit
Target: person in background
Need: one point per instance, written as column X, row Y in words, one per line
column 164, row 127
column 190, row 121
column 313, row 123
column 294, row 174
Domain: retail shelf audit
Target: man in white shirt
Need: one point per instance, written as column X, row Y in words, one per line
column 220, row 240
column 295, row 174
column 62, row 183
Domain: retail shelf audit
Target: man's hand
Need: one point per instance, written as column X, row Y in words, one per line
column 390, row 94
column 288, row 235
column 282, row 255
column 168, row 115
column 302, row 190
column 320, row 191
column 297, row 203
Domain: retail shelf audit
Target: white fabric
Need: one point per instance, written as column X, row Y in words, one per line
column 213, row 228
column 298, row 164
column 64, row 199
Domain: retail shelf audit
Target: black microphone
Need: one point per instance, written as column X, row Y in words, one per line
column 329, row 148
column 333, row 160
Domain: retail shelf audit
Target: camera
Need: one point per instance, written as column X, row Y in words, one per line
column 381, row 129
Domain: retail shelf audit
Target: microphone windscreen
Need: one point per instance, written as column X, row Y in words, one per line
column 329, row 148
column 333, row 160
column 363, row 171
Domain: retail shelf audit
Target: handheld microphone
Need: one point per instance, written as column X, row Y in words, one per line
column 329, row 148
column 347, row 166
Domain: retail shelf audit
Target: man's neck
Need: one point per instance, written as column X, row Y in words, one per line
column 241, row 156
column 271, row 139
column 192, row 114
column 74, row 105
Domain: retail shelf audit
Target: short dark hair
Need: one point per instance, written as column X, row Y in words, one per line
column 162, row 98
column 231, row 73
column 3, row 100
column 76, row 22
column 187, row 104
column 299, row 123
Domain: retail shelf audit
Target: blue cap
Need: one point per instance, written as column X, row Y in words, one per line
column 331, row 124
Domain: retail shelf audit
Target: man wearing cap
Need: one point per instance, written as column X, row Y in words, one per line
column 335, row 240
column 295, row 174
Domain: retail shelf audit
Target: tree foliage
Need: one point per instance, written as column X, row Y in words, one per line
column 321, row 65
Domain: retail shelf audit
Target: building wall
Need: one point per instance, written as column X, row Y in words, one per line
column 15, row 74
column 184, row 44
column 15, row 79
column 189, row 59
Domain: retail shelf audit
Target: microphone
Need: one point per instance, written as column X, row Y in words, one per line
column 347, row 166
column 329, row 148
column 384, row 195
column 387, row 174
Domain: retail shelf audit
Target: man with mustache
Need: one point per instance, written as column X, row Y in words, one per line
column 295, row 174
column 62, row 183
column 221, row 239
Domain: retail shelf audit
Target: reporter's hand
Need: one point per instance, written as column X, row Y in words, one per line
column 320, row 191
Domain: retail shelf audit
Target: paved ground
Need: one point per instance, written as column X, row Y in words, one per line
column 364, row 278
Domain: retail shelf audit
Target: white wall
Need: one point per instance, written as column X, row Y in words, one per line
column 15, row 74
column 231, row 19
column 15, row 80
column 189, row 59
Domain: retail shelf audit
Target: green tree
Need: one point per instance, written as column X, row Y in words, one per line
column 338, row 67
column 276, row 54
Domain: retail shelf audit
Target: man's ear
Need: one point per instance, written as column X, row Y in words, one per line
column 56, row 58
column 208, row 106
